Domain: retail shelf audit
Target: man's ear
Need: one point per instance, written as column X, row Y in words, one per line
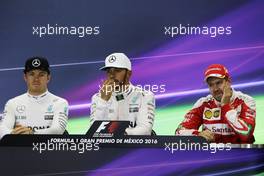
column 228, row 79
column 128, row 75
column 49, row 77
column 25, row 77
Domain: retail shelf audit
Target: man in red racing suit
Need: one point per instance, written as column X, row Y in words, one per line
column 226, row 115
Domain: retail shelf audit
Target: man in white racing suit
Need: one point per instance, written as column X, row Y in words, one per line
column 38, row 111
column 118, row 99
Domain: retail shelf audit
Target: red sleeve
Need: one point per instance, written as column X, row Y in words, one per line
column 191, row 123
column 244, row 123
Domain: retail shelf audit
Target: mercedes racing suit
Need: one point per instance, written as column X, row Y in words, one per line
column 44, row 114
column 134, row 105
column 231, row 123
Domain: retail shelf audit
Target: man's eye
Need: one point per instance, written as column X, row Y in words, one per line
column 42, row 74
column 118, row 70
column 218, row 83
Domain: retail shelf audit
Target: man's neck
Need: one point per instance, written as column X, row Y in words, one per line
column 36, row 93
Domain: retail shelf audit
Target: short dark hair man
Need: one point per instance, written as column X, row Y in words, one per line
column 38, row 111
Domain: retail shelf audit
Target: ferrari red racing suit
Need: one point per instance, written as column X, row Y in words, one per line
column 231, row 123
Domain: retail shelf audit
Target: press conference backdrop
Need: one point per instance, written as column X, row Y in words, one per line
column 169, row 42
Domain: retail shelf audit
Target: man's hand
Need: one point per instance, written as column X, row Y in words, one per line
column 208, row 135
column 107, row 89
column 227, row 93
column 19, row 129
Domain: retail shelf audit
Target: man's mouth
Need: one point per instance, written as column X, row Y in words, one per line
column 217, row 92
column 218, row 95
column 116, row 81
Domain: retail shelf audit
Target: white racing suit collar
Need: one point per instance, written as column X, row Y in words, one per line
column 38, row 98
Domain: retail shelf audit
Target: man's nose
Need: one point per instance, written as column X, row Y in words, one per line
column 36, row 77
column 111, row 73
column 215, row 88
column 111, row 76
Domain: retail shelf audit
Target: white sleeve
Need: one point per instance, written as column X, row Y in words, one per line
column 60, row 120
column 99, row 109
column 7, row 122
column 145, row 119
